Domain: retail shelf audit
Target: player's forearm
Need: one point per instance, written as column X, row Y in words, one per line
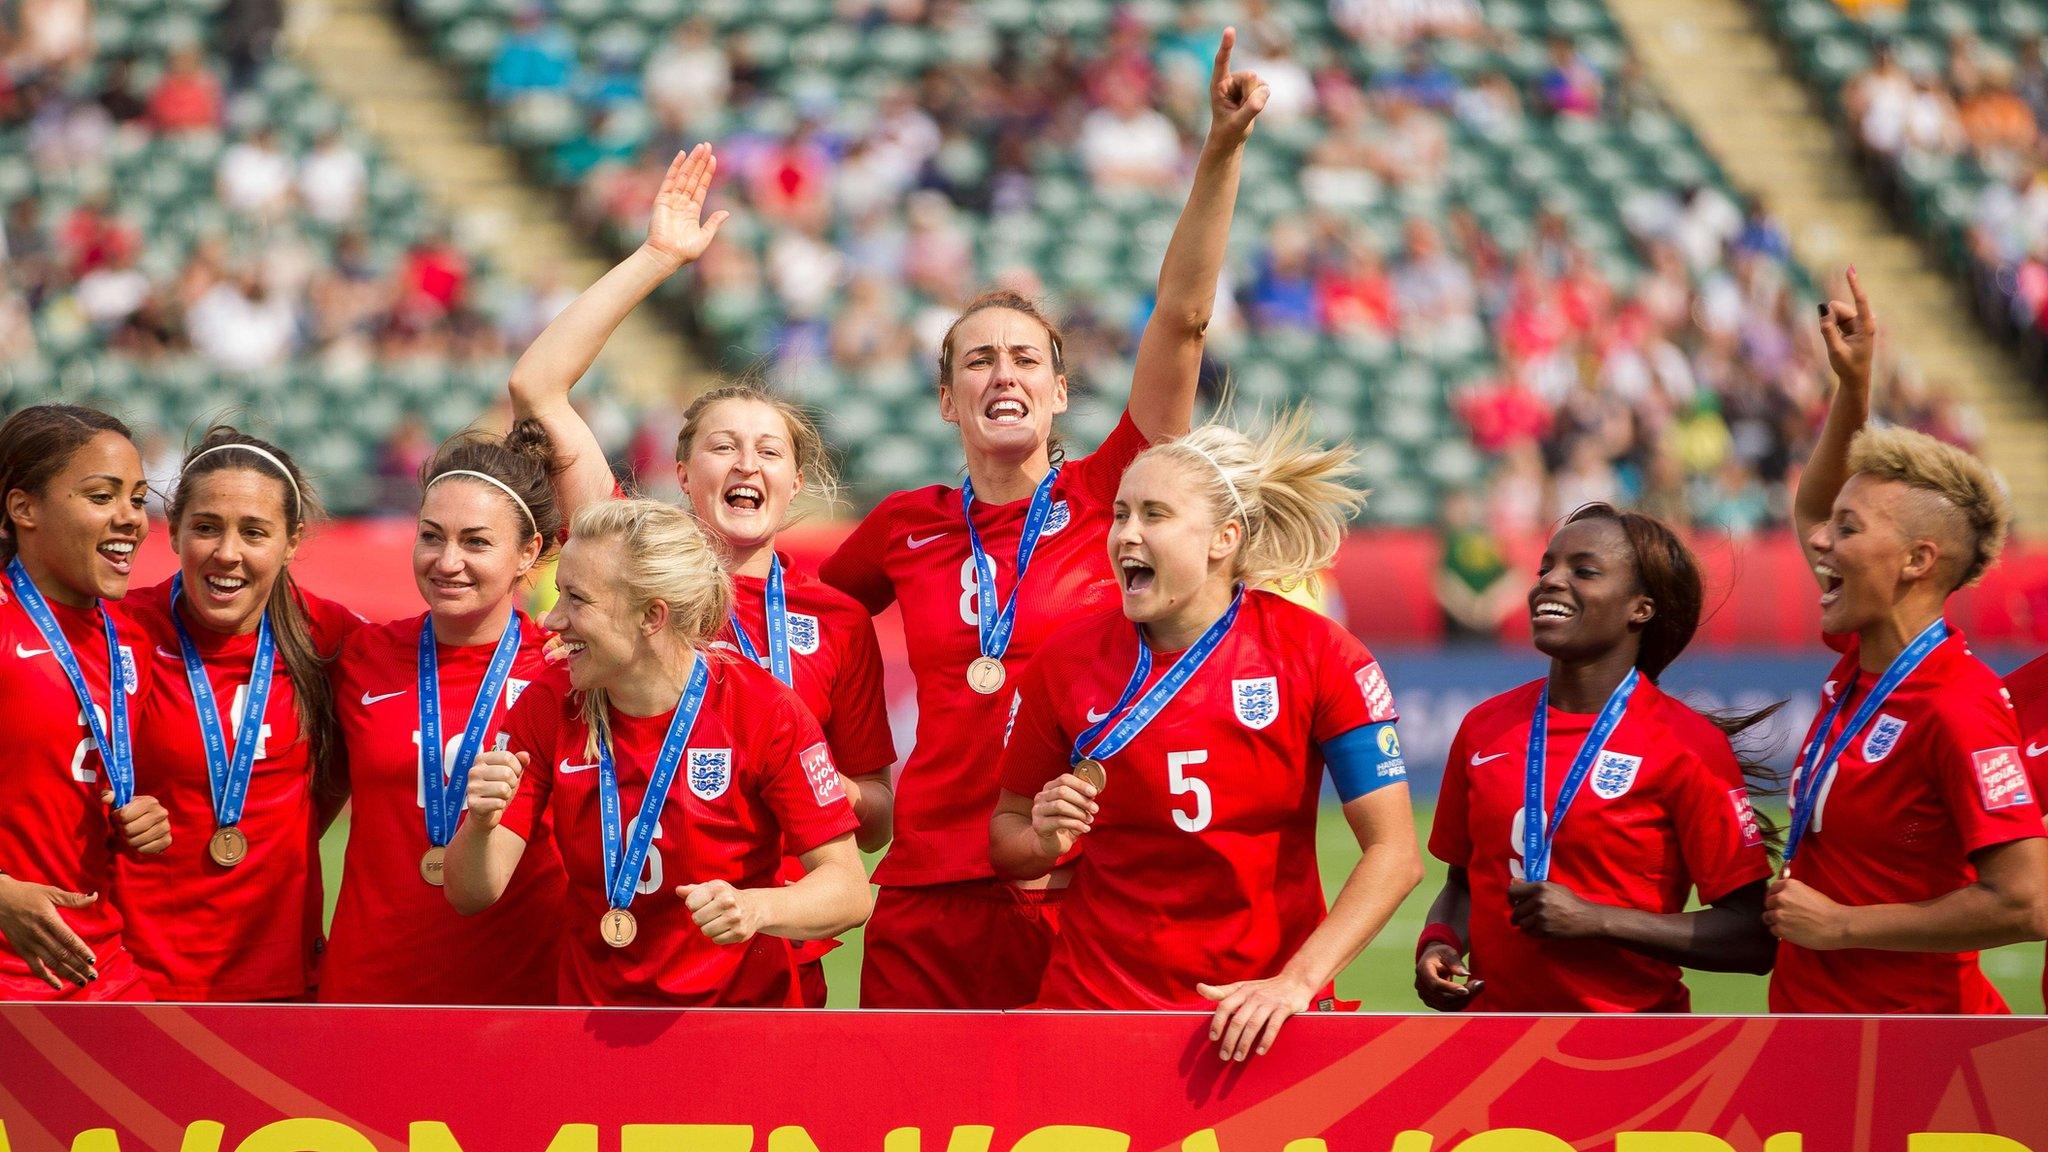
column 831, row 898
column 1015, row 850
column 479, row 864
column 1383, row 877
column 1453, row 905
column 567, row 347
column 1728, row 937
column 1828, row 468
column 874, row 805
column 1169, row 361
column 1966, row 920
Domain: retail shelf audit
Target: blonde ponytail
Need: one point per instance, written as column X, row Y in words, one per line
column 1291, row 495
column 664, row 555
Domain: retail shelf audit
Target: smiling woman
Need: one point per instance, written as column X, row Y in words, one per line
column 418, row 700
column 243, row 735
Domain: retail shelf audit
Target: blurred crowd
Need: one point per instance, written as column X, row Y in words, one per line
column 1986, row 105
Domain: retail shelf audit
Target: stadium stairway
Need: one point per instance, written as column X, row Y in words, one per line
column 417, row 111
column 1718, row 64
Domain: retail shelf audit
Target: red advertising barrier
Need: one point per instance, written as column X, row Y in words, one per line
column 307, row 1079
column 1759, row 592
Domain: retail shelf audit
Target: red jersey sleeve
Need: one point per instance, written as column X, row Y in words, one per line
column 1035, row 750
column 332, row 623
column 1450, row 835
column 856, row 568
column 534, row 726
column 859, row 728
column 799, row 781
column 1351, row 688
column 1099, row 472
column 1718, row 835
column 1980, row 773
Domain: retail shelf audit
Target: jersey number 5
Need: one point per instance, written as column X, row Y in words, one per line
column 1178, row 779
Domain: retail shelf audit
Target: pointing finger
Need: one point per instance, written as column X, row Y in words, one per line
column 1223, row 48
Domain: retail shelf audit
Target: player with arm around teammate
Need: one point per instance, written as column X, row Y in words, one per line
column 1182, row 743
column 984, row 572
column 1636, row 802
column 242, row 735
column 674, row 775
column 1916, row 836
column 72, row 514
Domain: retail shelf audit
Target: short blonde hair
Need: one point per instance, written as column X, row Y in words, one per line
column 664, row 555
column 1291, row 495
column 1968, row 492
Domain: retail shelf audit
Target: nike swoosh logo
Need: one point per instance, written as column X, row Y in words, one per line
column 1095, row 717
column 30, row 653
column 2037, row 750
column 566, row 768
column 921, row 541
column 369, row 699
column 1477, row 759
column 167, row 655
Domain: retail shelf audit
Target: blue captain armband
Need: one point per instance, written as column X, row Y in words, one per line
column 1365, row 759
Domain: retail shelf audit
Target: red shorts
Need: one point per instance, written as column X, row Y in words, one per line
column 975, row 944
column 810, row 979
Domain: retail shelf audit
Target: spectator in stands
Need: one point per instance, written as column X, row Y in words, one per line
column 1569, row 85
column 1490, row 106
column 2030, row 78
column 687, row 80
column 247, row 31
column 241, row 325
column 435, row 275
column 1761, row 234
column 1282, row 293
column 1475, row 583
column 1355, row 297
column 116, row 95
column 188, row 97
column 1128, row 144
column 1878, row 100
column 255, row 177
column 333, row 180
column 1399, row 21
column 1408, row 144
column 1422, row 81
column 535, row 57
column 1434, row 292
column 1997, row 122
column 54, row 36
column 112, row 292
column 1735, row 502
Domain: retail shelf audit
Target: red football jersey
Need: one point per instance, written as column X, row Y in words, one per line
column 834, row 659
column 1201, row 867
column 2027, row 688
column 756, row 778
column 913, row 550
column 201, row 931
column 53, row 827
column 1663, row 812
column 396, row 938
column 1935, row 776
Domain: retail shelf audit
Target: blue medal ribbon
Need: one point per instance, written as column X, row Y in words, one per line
column 1162, row 693
column 116, row 753
column 1817, row 768
column 444, row 791
column 776, row 608
column 623, row 859
column 1538, row 835
column 995, row 625
column 227, row 775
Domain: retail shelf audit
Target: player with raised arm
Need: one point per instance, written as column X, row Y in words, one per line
column 984, row 572
column 1580, row 811
column 1916, row 838
column 242, row 735
column 72, row 687
column 1182, row 743
column 418, row 700
column 675, row 775
column 742, row 457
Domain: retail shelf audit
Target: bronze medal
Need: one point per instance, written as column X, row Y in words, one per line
column 228, row 847
column 618, row 928
column 1092, row 772
column 986, row 675
column 430, row 865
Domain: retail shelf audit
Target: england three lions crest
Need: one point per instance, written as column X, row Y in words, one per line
column 1057, row 519
column 1614, row 774
column 1884, row 736
column 803, row 634
column 710, row 772
column 1257, row 702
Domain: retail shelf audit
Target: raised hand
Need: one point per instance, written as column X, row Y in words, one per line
column 677, row 233
column 1062, row 813
column 1850, row 332
column 1235, row 98
column 493, row 781
column 29, row 920
column 145, row 826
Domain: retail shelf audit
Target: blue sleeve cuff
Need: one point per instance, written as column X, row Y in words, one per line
column 1364, row 760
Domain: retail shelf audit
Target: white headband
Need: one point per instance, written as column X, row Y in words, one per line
column 298, row 500
column 494, row 482
column 1243, row 513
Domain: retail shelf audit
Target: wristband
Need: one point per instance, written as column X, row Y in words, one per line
column 1439, row 933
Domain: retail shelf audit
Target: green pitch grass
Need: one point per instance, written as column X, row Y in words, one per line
column 1382, row 977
